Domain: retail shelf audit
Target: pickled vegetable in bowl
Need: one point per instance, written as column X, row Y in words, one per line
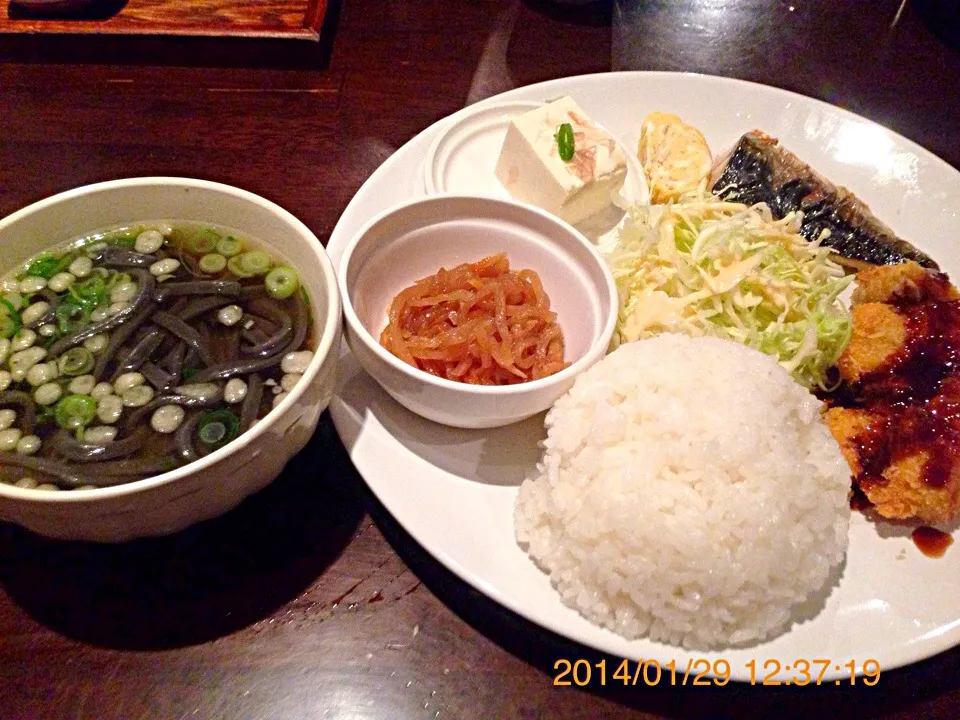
column 131, row 351
column 479, row 323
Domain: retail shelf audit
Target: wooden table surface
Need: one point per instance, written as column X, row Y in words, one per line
column 309, row 601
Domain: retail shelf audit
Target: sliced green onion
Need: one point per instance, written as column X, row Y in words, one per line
column 116, row 278
column 564, row 138
column 9, row 325
column 236, row 267
column 282, row 282
column 9, row 319
column 75, row 361
column 71, row 316
column 218, row 427
column 74, row 411
column 212, row 433
column 213, row 263
column 255, row 262
column 64, row 262
column 44, row 265
column 90, row 292
column 14, row 300
column 229, row 246
column 204, row 242
column 125, row 238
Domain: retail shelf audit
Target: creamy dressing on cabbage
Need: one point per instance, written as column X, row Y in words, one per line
column 707, row 267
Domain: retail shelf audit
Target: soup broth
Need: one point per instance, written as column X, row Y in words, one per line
column 134, row 350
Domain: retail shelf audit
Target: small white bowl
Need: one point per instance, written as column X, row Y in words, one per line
column 416, row 239
column 216, row 483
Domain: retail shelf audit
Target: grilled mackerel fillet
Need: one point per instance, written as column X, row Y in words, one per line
column 758, row 170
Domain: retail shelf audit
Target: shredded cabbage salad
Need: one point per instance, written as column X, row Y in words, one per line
column 707, row 267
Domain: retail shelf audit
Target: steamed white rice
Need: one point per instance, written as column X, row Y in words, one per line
column 689, row 492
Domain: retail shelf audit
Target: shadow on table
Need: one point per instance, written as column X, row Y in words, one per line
column 896, row 690
column 941, row 17
column 206, row 582
column 575, row 12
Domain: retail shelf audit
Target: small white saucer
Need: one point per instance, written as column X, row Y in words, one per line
column 462, row 159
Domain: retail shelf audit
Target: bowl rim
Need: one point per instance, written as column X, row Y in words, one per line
column 324, row 347
column 596, row 350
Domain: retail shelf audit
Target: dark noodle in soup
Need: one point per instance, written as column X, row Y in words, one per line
column 130, row 352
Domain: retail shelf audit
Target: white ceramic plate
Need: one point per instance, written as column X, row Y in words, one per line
column 453, row 490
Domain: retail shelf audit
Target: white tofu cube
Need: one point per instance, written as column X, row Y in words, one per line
column 531, row 170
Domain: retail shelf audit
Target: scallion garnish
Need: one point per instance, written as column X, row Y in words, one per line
column 75, row 411
column 281, row 282
column 75, row 361
column 218, row 427
column 564, row 138
column 255, row 262
column 213, row 263
column 9, row 319
column 229, row 246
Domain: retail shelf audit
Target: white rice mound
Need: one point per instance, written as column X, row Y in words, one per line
column 689, row 492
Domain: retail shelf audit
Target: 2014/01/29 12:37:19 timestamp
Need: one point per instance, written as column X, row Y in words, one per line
column 719, row 671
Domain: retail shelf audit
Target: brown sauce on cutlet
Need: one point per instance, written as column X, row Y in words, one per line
column 915, row 396
column 931, row 542
column 859, row 499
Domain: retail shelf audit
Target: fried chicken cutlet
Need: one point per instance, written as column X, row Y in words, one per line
column 897, row 419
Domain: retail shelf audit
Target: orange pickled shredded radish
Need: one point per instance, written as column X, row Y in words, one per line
column 480, row 323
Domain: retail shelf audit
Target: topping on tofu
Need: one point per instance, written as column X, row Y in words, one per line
column 531, row 169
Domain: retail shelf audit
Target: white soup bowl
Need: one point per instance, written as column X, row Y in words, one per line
column 217, row 482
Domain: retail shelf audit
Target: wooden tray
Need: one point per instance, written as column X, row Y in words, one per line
column 276, row 19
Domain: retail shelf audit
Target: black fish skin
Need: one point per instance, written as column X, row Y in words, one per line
column 759, row 170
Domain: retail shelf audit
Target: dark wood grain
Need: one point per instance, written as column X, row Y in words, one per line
column 309, row 601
